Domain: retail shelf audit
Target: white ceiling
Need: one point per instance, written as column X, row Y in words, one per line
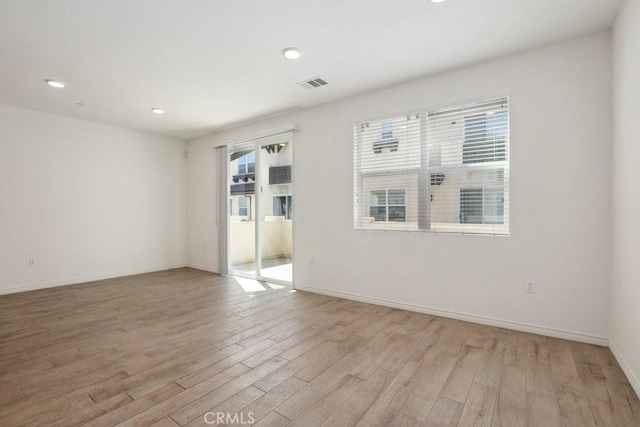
column 214, row 63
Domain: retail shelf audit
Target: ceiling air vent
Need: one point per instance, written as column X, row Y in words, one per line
column 312, row 83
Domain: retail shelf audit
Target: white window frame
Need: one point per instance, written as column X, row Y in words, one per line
column 388, row 205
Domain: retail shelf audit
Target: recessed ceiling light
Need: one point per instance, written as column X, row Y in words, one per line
column 291, row 53
column 55, row 83
column 157, row 111
column 438, row 1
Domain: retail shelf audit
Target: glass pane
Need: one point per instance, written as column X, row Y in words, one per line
column 387, row 129
column 494, row 206
column 485, row 138
column 378, row 213
column 242, row 251
column 471, row 206
column 279, row 206
column 275, row 211
column 378, row 198
column 397, row 213
column 396, row 197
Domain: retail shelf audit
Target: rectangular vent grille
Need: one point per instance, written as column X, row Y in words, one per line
column 313, row 83
column 279, row 175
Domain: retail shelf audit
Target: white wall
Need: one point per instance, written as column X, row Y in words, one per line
column 625, row 295
column 88, row 200
column 560, row 193
column 202, row 207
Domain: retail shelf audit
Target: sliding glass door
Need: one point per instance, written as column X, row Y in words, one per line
column 275, row 210
column 242, row 236
column 260, row 242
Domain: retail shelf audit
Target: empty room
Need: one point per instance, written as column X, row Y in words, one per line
column 338, row 213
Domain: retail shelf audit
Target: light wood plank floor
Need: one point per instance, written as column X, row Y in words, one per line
column 167, row 348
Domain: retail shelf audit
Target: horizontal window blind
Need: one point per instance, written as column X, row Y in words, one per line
column 435, row 171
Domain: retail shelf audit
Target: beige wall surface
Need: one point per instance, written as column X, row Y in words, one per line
column 625, row 296
column 86, row 200
column 560, row 181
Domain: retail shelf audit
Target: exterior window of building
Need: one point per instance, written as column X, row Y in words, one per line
column 243, row 206
column 247, row 163
column 385, row 141
column 388, row 205
column 481, row 206
column 440, row 171
column 283, row 206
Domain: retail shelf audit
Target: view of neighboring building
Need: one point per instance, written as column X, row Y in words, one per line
column 445, row 171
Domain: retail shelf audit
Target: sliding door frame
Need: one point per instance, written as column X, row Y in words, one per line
column 262, row 142
column 222, row 157
column 256, row 145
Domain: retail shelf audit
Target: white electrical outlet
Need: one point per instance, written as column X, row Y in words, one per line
column 33, row 261
column 312, row 261
column 531, row 287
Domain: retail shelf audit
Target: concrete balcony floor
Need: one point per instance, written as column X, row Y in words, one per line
column 280, row 268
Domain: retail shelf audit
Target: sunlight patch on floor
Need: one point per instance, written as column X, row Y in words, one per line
column 250, row 285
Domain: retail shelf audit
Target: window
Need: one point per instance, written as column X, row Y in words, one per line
column 247, row 163
column 471, row 202
column 283, row 206
column 243, row 206
column 444, row 171
column 386, row 141
column 485, row 137
column 481, row 206
column 387, row 205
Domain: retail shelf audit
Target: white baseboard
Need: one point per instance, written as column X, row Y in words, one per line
column 86, row 279
column 483, row 320
column 203, row 268
column 633, row 380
